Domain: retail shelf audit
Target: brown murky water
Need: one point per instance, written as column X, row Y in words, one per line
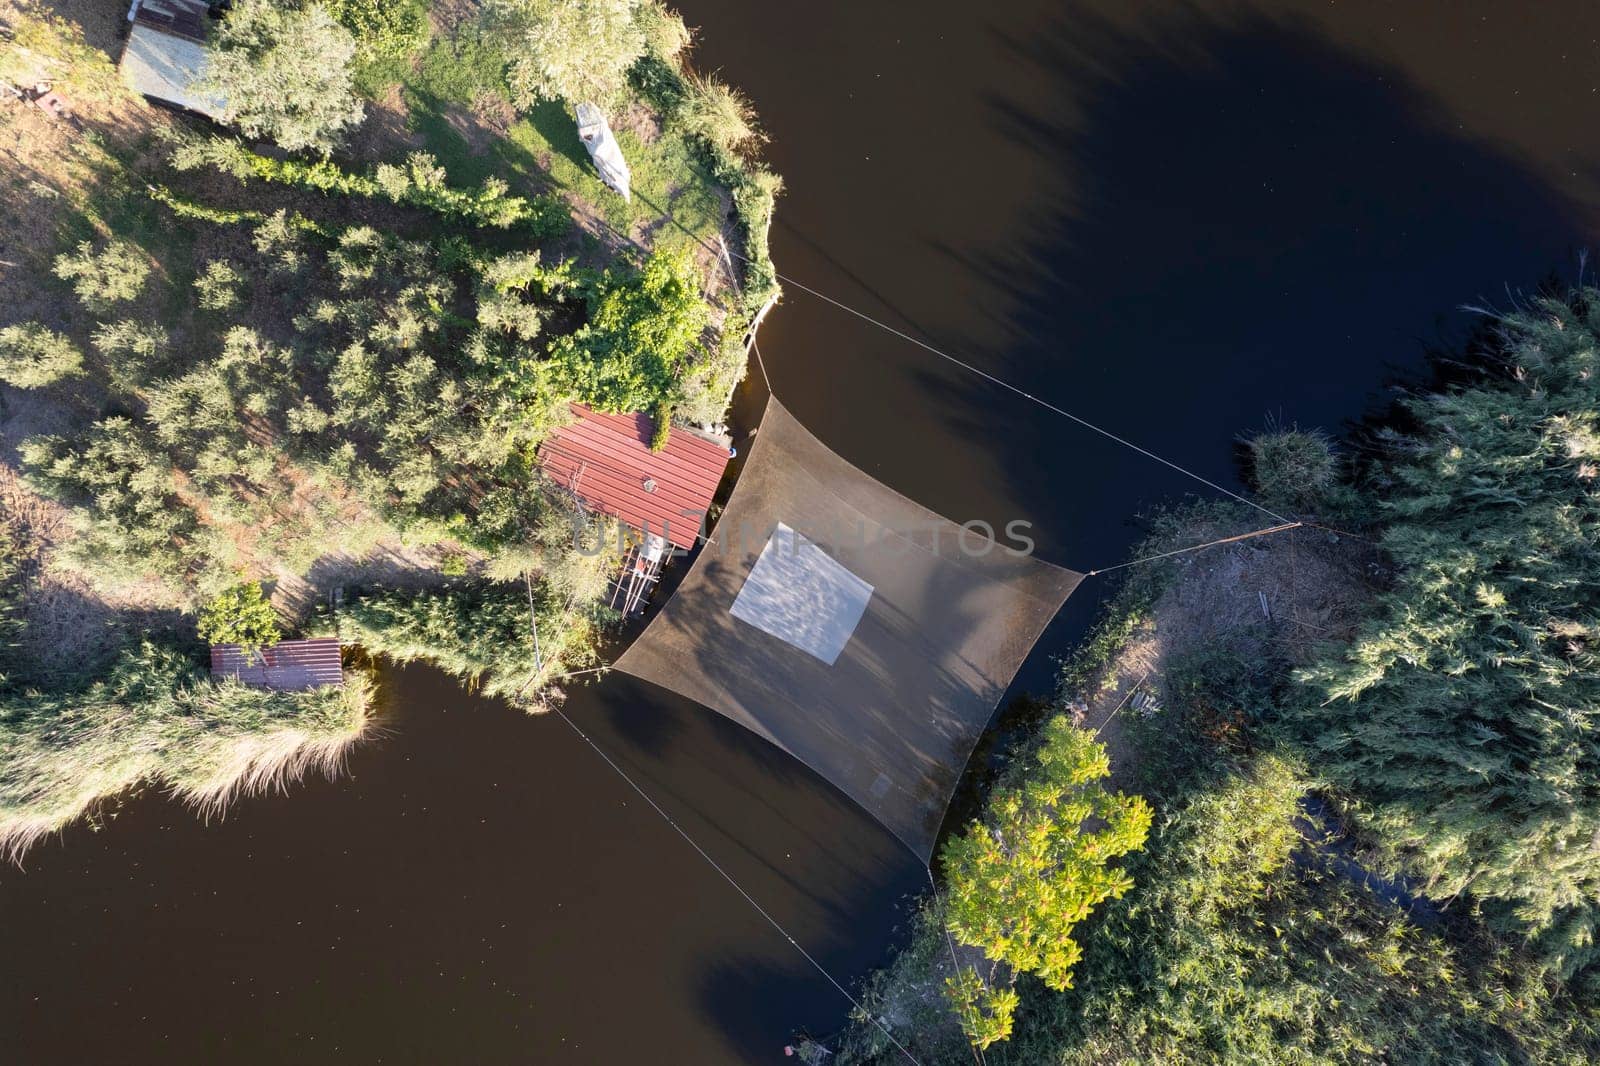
column 1176, row 219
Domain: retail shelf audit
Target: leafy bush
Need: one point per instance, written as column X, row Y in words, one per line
column 480, row 633
column 115, row 274
column 240, row 615
column 136, row 516
column 32, row 356
column 665, row 35
column 1293, row 469
column 1021, row 879
column 383, row 29
column 217, row 286
column 721, row 114
column 642, row 326
column 661, row 426
column 420, row 182
column 283, row 72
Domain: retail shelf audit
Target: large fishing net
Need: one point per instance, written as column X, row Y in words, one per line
column 862, row 633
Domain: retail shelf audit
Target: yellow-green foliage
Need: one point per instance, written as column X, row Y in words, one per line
column 1022, row 878
column 240, row 615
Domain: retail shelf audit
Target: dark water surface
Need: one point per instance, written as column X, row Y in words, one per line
column 1174, row 219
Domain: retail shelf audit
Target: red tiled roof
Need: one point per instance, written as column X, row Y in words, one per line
column 606, row 459
column 290, row 664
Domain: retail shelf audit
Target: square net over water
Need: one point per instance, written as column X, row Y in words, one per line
column 859, row 631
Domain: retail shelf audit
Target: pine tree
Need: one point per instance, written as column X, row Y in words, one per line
column 1466, row 717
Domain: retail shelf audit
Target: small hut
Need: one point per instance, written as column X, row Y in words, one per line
column 287, row 666
column 606, row 462
column 166, row 51
column 603, row 148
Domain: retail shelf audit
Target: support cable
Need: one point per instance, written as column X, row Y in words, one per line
column 1196, row 547
column 737, row 887
column 1046, row 404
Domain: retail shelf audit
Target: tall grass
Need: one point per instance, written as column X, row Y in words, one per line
column 155, row 719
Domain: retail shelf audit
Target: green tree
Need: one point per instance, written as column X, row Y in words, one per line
column 1466, row 716
column 217, row 286
column 282, row 71
column 574, row 50
column 134, row 352
column 32, row 356
column 241, row 615
column 1241, row 943
column 1021, row 879
column 643, row 325
column 114, row 274
column 383, row 29
column 118, row 472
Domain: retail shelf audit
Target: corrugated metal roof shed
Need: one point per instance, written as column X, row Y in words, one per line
column 165, row 53
column 287, row 665
column 607, row 461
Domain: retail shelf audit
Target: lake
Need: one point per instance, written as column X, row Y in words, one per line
column 1179, row 221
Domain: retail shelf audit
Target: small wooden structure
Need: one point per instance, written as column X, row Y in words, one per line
column 289, row 665
column 165, row 52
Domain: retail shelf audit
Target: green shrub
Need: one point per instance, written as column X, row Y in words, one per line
column 1293, row 469
column 383, row 29
column 479, row 633
column 661, row 426
column 217, row 286
column 32, row 356
column 643, row 324
column 241, row 615
column 721, row 114
column 114, row 274
column 118, row 471
column 420, row 182
column 134, row 352
column 665, row 35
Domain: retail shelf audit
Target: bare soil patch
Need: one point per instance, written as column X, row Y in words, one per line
column 1279, row 595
